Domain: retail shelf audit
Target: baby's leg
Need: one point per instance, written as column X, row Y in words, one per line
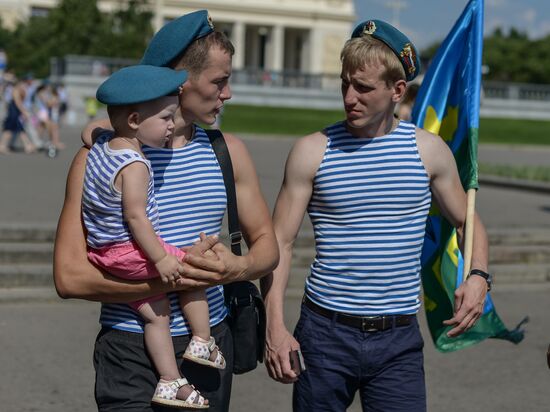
column 202, row 347
column 156, row 315
column 195, row 308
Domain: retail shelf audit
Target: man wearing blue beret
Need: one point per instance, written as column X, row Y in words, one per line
column 367, row 184
column 191, row 198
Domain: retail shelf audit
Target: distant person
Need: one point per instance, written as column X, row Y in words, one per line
column 91, row 107
column 405, row 107
column 63, row 97
column 121, row 217
column 14, row 123
column 46, row 106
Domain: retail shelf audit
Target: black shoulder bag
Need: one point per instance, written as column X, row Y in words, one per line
column 247, row 317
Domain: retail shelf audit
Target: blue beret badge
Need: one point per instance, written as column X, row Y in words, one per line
column 408, row 57
column 370, row 27
column 210, row 22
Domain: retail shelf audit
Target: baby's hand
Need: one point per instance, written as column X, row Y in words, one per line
column 169, row 268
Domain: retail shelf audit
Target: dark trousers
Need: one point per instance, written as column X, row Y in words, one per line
column 126, row 378
column 386, row 368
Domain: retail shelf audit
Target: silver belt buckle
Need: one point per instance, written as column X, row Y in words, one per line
column 365, row 322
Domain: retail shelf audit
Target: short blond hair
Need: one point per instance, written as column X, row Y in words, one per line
column 366, row 50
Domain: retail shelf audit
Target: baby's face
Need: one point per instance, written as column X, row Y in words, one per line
column 156, row 121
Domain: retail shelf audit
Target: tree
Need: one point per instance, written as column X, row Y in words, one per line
column 78, row 27
column 30, row 49
column 511, row 57
column 130, row 32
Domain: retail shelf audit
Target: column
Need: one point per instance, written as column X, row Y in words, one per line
column 158, row 19
column 316, row 52
column 277, row 39
column 238, row 40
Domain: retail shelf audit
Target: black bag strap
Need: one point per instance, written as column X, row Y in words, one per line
column 224, row 159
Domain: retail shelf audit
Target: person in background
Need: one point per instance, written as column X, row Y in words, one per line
column 46, row 106
column 14, row 123
column 405, row 106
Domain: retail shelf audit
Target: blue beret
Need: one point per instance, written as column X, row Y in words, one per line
column 140, row 83
column 395, row 40
column 176, row 36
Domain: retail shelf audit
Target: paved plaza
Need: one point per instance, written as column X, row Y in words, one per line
column 47, row 348
column 46, row 357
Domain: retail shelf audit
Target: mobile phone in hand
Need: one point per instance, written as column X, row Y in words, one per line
column 297, row 361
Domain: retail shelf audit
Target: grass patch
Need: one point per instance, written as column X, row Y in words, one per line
column 514, row 131
column 277, row 120
column 537, row 173
column 299, row 122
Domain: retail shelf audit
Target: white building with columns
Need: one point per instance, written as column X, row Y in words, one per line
column 287, row 52
column 302, row 36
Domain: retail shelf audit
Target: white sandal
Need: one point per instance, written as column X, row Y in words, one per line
column 166, row 392
column 199, row 351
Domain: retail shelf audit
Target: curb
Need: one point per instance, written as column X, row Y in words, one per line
column 28, row 294
column 510, row 183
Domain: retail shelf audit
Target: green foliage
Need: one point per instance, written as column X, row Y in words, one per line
column 77, row 27
column 129, row 33
column 29, row 50
column 6, row 37
column 511, row 57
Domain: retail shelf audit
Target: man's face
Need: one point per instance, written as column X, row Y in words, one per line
column 203, row 95
column 367, row 98
column 156, row 121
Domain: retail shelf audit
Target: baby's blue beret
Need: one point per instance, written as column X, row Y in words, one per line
column 176, row 36
column 140, row 83
column 395, row 40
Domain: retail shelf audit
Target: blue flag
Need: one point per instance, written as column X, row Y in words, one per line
column 448, row 105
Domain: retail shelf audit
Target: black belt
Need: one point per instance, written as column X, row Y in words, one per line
column 364, row 323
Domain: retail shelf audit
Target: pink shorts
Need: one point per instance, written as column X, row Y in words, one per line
column 127, row 261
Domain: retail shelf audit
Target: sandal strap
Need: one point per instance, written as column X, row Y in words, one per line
column 178, row 383
column 195, row 396
column 212, row 344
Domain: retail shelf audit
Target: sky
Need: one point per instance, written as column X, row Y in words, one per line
column 429, row 21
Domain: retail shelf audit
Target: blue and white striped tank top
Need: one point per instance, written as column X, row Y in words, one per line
column 370, row 201
column 102, row 201
column 191, row 199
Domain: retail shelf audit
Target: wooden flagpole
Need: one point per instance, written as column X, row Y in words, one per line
column 469, row 233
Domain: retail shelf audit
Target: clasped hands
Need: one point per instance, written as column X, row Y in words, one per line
column 207, row 263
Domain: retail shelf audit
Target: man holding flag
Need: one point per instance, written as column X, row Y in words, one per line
column 367, row 184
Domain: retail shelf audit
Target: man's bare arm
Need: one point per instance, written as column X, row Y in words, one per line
column 255, row 223
column 302, row 164
column 74, row 275
column 92, row 130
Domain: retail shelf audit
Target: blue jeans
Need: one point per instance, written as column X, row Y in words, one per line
column 387, row 368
